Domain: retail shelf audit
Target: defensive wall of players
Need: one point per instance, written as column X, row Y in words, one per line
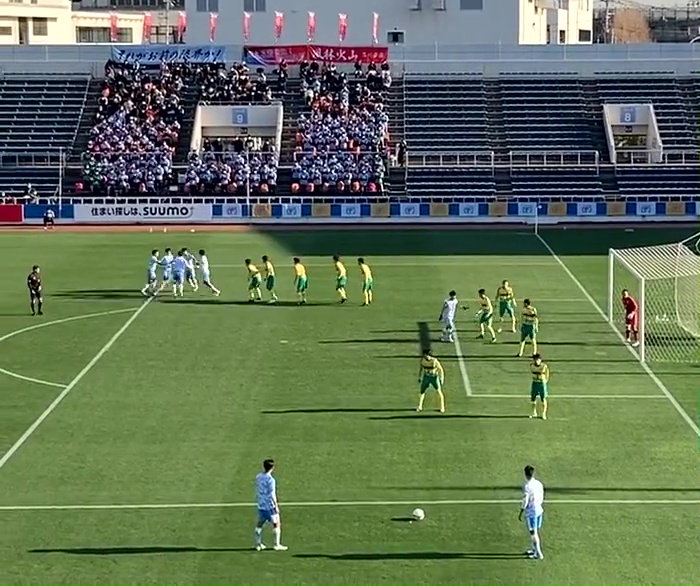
column 498, row 212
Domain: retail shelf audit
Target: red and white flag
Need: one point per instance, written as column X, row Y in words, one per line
column 213, row 24
column 246, row 26
column 342, row 26
column 147, row 26
column 279, row 24
column 311, row 27
column 375, row 28
column 181, row 26
column 113, row 27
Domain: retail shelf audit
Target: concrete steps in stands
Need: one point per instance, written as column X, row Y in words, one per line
column 190, row 100
column 87, row 121
column 494, row 119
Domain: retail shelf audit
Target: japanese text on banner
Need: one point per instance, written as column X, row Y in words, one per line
column 295, row 54
column 170, row 54
column 126, row 214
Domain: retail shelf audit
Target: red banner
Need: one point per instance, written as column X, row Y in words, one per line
column 279, row 24
column 375, row 28
column 342, row 26
column 213, row 23
column 246, row 26
column 113, row 27
column 11, row 213
column 311, row 27
column 295, row 54
column 147, row 26
column 181, row 26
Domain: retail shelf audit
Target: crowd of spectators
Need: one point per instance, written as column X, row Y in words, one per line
column 341, row 142
column 236, row 84
column 233, row 166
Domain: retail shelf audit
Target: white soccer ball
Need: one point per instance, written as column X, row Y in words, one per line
column 418, row 514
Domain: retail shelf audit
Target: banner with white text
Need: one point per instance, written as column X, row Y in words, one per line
column 143, row 213
column 156, row 54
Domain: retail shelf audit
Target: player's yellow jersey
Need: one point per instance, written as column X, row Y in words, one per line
column 431, row 366
column 340, row 270
column 253, row 270
column 540, row 373
column 485, row 304
column 299, row 271
column 269, row 269
column 366, row 272
column 505, row 293
column 529, row 316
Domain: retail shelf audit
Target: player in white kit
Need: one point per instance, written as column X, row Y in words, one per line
column 190, row 275
column 206, row 273
column 532, row 507
column 447, row 317
column 268, row 508
column 179, row 269
column 166, row 264
column 151, row 276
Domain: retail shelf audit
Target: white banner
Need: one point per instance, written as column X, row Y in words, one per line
column 169, row 54
column 586, row 208
column 144, row 213
column 527, row 209
column 646, row 209
column 291, row 210
column 233, row 210
column 410, row 210
column 469, row 209
column 350, row 210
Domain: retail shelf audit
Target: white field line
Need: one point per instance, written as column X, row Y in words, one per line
column 523, row 397
column 457, row 263
column 657, row 381
column 71, row 385
column 45, row 325
column 160, row 506
column 462, row 366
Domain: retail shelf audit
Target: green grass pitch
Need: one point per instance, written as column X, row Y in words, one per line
column 178, row 410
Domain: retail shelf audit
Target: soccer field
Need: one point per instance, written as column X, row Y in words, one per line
column 132, row 429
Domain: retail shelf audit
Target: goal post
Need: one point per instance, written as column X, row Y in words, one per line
column 665, row 281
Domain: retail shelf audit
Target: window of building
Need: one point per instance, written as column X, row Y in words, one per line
column 207, row 5
column 16, row 1
column 202, row 5
column 40, row 27
column 584, row 36
column 5, row 31
column 439, row 5
column 562, row 37
column 254, row 5
column 99, row 34
column 471, row 4
column 163, row 35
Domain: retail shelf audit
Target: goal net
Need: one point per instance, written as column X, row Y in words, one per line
column 665, row 281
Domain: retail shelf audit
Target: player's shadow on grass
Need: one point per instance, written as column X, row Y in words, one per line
column 142, row 550
column 99, row 294
column 219, row 301
column 414, row 555
column 332, row 410
column 413, row 340
column 562, row 490
column 435, row 416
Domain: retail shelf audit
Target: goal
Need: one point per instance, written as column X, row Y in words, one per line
column 665, row 281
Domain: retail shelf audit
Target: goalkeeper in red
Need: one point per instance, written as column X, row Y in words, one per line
column 631, row 318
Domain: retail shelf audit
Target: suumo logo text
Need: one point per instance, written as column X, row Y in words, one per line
column 154, row 211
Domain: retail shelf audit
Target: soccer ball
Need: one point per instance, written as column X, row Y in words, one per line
column 418, row 514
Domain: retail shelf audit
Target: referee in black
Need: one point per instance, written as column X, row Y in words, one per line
column 36, row 301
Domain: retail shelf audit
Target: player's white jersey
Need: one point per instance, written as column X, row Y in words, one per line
column 266, row 491
column 152, row 265
column 167, row 264
column 533, row 497
column 449, row 310
column 189, row 264
column 204, row 267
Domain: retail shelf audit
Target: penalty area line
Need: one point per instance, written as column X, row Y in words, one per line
column 650, row 373
column 523, row 397
column 173, row 506
column 71, row 385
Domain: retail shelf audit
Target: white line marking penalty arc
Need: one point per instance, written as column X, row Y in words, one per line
column 46, row 324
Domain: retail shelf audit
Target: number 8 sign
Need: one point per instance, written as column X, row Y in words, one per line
column 628, row 115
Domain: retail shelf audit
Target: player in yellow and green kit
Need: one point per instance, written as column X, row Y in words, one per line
column 506, row 304
column 431, row 374
column 540, row 381
column 485, row 316
column 270, row 279
column 367, row 281
column 341, row 278
column 254, row 282
column 301, row 283
column 529, row 322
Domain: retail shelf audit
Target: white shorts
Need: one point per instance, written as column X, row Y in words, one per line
column 206, row 276
column 189, row 275
column 448, row 324
column 151, row 277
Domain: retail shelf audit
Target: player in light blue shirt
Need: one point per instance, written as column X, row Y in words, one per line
column 179, row 268
column 268, row 508
column 190, row 274
column 166, row 264
column 533, row 508
column 151, row 277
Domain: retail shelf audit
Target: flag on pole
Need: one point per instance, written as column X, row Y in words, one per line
column 375, row 28
column 279, row 24
column 181, row 26
column 311, row 27
column 246, row 26
column 113, row 27
column 213, row 23
column 147, row 26
column 342, row 26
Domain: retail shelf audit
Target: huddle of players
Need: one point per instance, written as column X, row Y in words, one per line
column 177, row 270
column 431, row 372
column 301, row 280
